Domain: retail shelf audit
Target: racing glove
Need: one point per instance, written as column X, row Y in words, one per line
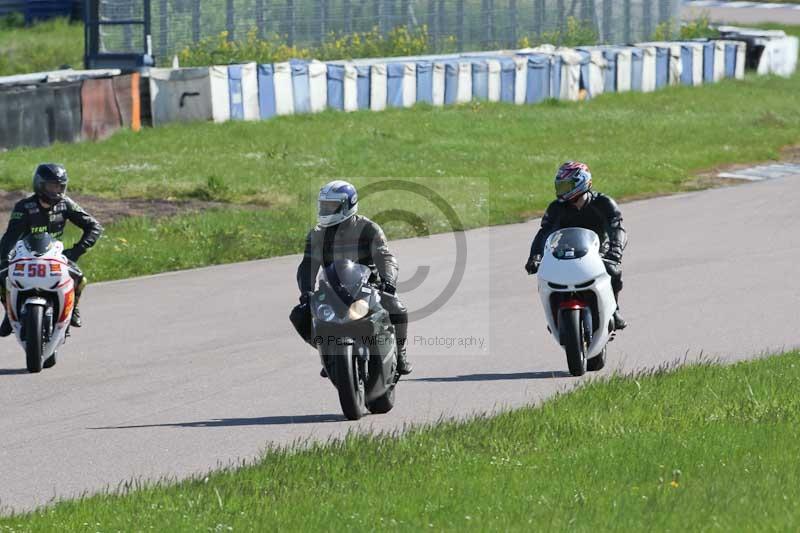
column 532, row 266
column 614, row 254
column 388, row 288
column 74, row 253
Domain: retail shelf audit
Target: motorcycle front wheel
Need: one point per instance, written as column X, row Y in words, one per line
column 33, row 338
column 571, row 335
column 349, row 382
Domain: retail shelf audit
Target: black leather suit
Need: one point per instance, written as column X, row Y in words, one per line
column 600, row 214
column 358, row 239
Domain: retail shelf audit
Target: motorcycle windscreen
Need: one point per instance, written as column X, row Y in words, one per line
column 38, row 243
column 572, row 243
column 347, row 278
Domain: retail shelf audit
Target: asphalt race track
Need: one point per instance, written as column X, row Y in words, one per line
column 741, row 12
column 180, row 373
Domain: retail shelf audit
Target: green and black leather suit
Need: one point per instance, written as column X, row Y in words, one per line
column 29, row 216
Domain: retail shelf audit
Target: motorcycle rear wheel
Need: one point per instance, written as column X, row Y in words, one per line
column 349, row 382
column 571, row 335
column 33, row 338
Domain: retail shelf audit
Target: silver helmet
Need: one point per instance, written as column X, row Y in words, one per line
column 338, row 201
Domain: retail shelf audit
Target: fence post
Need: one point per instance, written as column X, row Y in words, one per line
column 195, row 21
column 433, row 26
column 460, row 24
column 627, row 28
column 229, row 20
column 163, row 27
column 664, row 14
column 441, row 19
column 607, row 14
column 512, row 23
column 538, row 18
column 319, row 27
column 260, row 30
column 291, row 23
column 347, row 15
column 127, row 31
column 647, row 19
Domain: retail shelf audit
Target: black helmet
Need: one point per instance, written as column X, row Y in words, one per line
column 50, row 182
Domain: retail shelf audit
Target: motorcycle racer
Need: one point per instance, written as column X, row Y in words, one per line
column 47, row 211
column 577, row 205
column 343, row 234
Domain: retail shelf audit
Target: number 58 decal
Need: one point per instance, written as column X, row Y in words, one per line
column 37, row 271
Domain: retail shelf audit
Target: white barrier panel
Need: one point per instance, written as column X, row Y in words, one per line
column 648, row 68
column 220, row 95
column 494, row 79
column 719, row 60
column 624, row 71
column 284, row 92
column 438, row 84
column 464, row 93
column 570, row 74
column 350, row 88
column 741, row 57
column 377, row 87
column 675, row 64
column 597, row 72
column 520, row 79
column 181, row 95
column 250, row 91
column 409, row 84
column 318, row 86
column 697, row 64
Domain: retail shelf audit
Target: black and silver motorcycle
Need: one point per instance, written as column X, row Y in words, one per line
column 355, row 339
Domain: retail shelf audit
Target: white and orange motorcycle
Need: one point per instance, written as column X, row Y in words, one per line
column 40, row 296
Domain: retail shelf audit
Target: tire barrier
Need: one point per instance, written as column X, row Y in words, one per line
column 68, row 106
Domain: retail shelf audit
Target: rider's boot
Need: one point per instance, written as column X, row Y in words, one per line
column 619, row 322
column 5, row 327
column 75, row 321
column 404, row 366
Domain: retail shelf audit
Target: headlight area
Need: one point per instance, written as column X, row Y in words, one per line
column 358, row 310
column 326, row 312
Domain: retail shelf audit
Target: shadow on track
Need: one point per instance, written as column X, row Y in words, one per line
column 13, row 371
column 496, row 377
column 233, row 422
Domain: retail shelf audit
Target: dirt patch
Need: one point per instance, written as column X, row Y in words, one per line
column 110, row 211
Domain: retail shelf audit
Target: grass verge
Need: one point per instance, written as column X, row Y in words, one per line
column 493, row 163
column 700, row 447
column 43, row 46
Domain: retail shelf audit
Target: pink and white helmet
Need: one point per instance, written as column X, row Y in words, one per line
column 572, row 180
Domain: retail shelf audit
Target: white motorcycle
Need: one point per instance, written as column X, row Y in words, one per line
column 40, row 296
column 578, row 300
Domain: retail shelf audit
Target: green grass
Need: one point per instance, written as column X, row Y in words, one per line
column 703, row 447
column 493, row 163
column 44, row 46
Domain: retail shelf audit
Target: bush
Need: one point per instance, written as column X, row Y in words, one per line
column 398, row 42
column 699, row 28
column 575, row 33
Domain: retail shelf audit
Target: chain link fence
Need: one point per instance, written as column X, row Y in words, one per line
column 463, row 24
